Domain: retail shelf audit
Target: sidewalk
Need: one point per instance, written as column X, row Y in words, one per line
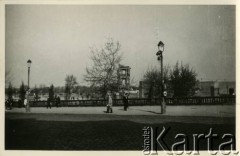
column 205, row 111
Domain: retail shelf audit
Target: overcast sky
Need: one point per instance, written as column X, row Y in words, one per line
column 57, row 39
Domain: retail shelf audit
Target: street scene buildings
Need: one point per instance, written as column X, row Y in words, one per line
column 92, row 77
column 204, row 89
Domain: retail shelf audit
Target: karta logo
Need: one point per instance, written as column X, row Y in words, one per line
column 153, row 139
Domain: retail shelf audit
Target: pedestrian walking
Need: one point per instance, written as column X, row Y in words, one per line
column 125, row 101
column 48, row 103
column 109, row 103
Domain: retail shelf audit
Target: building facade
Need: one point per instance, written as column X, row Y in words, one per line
column 123, row 74
column 203, row 89
column 216, row 88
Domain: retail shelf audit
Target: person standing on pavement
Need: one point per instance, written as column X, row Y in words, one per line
column 48, row 103
column 19, row 103
column 7, row 104
column 109, row 103
column 125, row 101
column 26, row 101
column 10, row 103
column 58, row 101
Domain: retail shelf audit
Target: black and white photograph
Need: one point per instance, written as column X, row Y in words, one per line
column 149, row 78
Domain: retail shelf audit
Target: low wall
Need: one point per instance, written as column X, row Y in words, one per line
column 138, row 102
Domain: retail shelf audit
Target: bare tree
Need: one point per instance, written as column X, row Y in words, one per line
column 103, row 73
column 70, row 83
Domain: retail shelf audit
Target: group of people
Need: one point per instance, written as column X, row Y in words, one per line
column 57, row 101
column 110, row 102
column 9, row 103
column 50, row 102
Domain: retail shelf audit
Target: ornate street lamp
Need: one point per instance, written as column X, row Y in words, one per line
column 29, row 65
column 160, row 58
column 161, row 46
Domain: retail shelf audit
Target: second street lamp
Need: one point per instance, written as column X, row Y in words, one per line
column 160, row 58
column 29, row 65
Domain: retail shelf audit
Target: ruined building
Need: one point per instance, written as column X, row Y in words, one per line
column 123, row 77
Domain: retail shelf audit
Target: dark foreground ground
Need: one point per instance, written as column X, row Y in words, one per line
column 105, row 132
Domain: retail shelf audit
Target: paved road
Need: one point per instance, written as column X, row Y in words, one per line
column 89, row 128
column 45, row 131
column 220, row 114
column 207, row 111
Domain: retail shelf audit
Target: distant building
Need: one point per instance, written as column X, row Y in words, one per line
column 123, row 74
column 216, row 88
column 204, row 88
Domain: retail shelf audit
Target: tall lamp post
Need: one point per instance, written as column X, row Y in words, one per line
column 29, row 65
column 160, row 58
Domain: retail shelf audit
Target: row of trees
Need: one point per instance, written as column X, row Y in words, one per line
column 102, row 76
column 180, row 79
column 10, row 91
column 69, row 88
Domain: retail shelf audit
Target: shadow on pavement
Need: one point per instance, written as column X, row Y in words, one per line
column 147, row 111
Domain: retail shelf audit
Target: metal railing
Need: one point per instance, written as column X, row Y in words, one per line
column 137, row 102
